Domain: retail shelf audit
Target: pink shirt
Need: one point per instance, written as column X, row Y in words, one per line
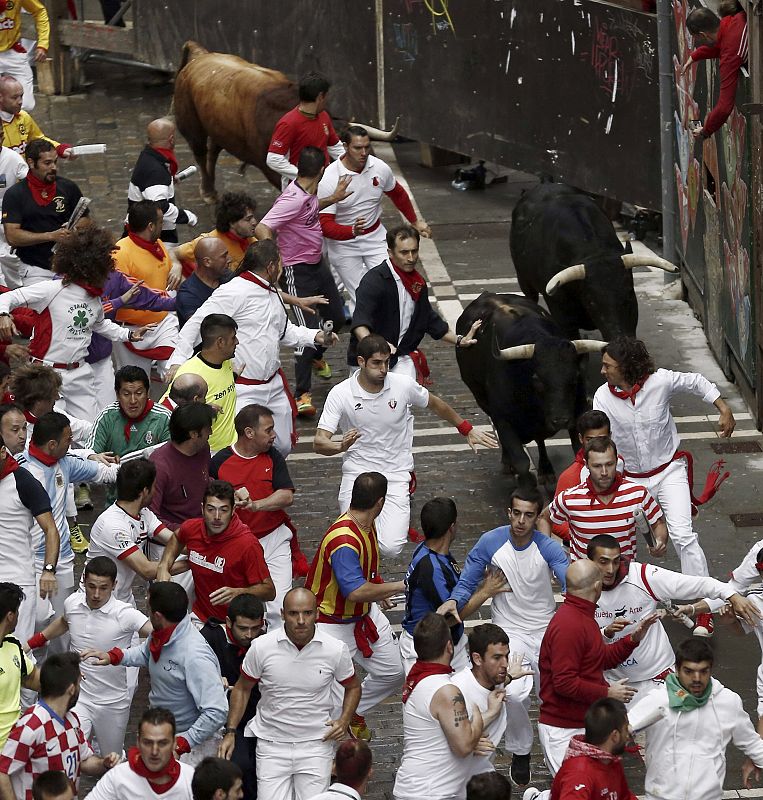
column 295, row 217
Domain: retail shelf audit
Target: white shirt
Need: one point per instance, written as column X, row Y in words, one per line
column 121, row 783
column 405, row 303
column 262, row 327
column 117, row 534
column 635, row 598
column 337, row 791
column 112, row 625
column 746, row 574
column 429, row 769
column 645, row 432
column 13, row 169
column 382, row 418
column 367, row 187
column 476, row 694
column 296, row 686
column 69, row 316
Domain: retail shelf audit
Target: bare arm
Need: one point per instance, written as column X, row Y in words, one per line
column 142, row 566
column 171, row 551
column 448, row 707
column 281, row 498
column 32, row 680
column 444, row 411
column 56, row 628
column 48, row 582
column 495, row 583
column 324, row 445
column 262, row 232
column 361, row 332
column 338, row 727
column 6, row 788
column 264, row 591
column 18, row 237
column 239, row 697
column 373, row 592
column 726, row 421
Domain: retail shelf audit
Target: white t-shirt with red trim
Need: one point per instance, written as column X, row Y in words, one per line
column 588, row 516
column 117, row 534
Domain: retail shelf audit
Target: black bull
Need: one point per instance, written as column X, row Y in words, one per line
column 565, row 248
column 529, row 392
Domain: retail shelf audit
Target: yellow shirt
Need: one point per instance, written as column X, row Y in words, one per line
column 142, row 265
column 221, row 392
column 21, row 130
column 10, row 23
column 236, row 250
column 10, row 685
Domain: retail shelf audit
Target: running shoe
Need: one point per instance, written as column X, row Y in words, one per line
column 305, row 407
column 520, row 770
column 359, row 729
column 82, row 498
column 704, row 625
column 78, row 539
column 322, row 368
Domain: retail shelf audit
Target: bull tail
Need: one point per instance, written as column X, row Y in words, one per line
column 191, row 50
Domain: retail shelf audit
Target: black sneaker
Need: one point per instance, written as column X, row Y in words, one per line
column 520, row 770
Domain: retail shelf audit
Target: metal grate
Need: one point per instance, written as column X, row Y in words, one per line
column 729, row 448
column 750, row 520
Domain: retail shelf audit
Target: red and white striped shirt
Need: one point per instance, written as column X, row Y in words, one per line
column 588, row 516
column 42, row 741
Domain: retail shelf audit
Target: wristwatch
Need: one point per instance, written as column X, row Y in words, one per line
column 49, row 568
column 226, row 730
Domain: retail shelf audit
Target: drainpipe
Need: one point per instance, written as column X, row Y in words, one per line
column 664, row 22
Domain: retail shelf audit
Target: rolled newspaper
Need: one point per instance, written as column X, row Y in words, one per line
column 88, row 149
column 77, row 214
column 643, row 527
column 185, row 173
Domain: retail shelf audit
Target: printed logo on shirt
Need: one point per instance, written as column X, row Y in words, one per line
column 375, row 181
column 80, row 319
column 7, row 25
column 358, row 406
column 392, row 404
column 201, row 560
column 60, row 204
column 149, row 437
column 621, row 612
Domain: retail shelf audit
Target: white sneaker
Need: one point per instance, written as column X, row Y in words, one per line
column 531, row 793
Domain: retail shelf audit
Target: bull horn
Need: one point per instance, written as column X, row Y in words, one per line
column 588, row 345
column 377, row 134
column 574, row 273
column 518, row 352
column 631, row 260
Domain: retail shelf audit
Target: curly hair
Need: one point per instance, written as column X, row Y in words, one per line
column 632, row 358
column 231, row 208
column 85, row 256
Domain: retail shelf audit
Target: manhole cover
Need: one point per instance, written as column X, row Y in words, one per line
column 750, row 520
column 728, row 448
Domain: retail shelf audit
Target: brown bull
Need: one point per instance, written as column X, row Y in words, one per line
column 222, row 102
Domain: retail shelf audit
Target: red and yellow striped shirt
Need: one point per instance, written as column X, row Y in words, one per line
column 321, row 580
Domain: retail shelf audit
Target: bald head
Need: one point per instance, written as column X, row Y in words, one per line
column 212, row 257
column 300, row 596
column 188, row 388
column 11, row 94
column 582, row 578
column 300, row 610
column 161, row 133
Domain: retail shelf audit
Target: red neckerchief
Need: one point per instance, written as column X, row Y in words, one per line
column 130, row 422
column 622, row 572
column 242, row 241
column 93, row 291
column 171, row 769
column 42, row 193
column 421, row 670
column 252, row 278
column 9, row 465
column 30, row 417
column 593, row 494
column 241, row 650
column 412, row 281
column 169, row 156
column 158, row 639
column 35, row 452
column 153, row 247
column 631, row 395
column 580, row 457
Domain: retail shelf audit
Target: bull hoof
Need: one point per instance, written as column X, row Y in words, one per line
column 209, row 199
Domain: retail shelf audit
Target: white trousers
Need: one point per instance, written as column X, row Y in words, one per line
column 78, row 392
column 353, row 259
column 107, row 723
column 408, row 655
column 670, row 488
column 18, row 274
column 395, row 518
column 293, row 770
column 103, row 383
column 273, row 396
column 519, row 730
column 53, row 607
column 278, row 558
column 18, row 65
column 165, row 334
column 384, row 669
column 27, row 612
column 554, row 742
